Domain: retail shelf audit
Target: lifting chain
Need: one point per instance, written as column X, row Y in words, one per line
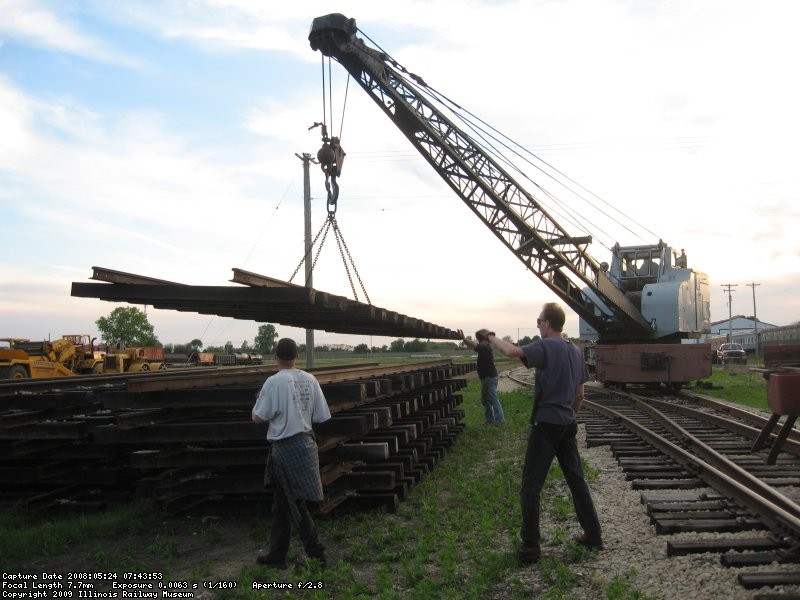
column 342, row 244
column 325, row 227
column 344, row 252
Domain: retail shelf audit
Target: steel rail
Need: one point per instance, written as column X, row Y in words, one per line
column 779, row 513
column 742, row 429
column 204, row 377
column 743, row 415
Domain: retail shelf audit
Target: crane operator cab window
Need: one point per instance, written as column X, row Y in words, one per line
column 641, row 263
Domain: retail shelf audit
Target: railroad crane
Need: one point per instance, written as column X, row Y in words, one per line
column 636, row 310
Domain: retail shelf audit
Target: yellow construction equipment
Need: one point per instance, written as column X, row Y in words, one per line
column 70, row 355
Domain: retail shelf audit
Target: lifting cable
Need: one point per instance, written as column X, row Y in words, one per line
column 330, row 157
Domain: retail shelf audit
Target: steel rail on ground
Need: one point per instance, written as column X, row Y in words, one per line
column 201, row 377
column 775, row 510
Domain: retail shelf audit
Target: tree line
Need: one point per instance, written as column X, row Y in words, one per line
column 129, row 327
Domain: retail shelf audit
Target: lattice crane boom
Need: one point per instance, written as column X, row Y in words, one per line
column 512, row 213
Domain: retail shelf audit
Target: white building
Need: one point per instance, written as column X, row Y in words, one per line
column 737, row 324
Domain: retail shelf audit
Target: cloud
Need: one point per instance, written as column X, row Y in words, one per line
column 41, row 24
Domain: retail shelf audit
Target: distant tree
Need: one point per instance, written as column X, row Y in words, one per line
column 415, row 345
column 443, row 345
column 228, row 347
column 361, row 348
column 265, row 339
column 398, row 345
column 245, row 346
column 127, row 325
column 527, row 340
column 195, row 343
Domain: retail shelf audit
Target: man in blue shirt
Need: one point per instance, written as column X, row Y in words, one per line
column 558, row 394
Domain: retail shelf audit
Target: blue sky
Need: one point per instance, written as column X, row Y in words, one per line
column 159, row 138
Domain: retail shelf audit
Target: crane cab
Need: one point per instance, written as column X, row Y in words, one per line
column 672, row 297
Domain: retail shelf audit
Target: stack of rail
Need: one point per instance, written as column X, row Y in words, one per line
column 186, row 439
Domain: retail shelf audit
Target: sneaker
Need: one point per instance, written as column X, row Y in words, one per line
column 588, row 542
column 268, row 561
column 529, row 554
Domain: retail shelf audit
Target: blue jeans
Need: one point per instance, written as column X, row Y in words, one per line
column 546, row 442
column 492, row 409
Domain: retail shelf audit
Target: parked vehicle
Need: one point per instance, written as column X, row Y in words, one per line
column 72, row 354
column 731, row 353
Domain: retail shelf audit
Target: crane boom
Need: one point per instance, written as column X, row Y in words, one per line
column 511, row 212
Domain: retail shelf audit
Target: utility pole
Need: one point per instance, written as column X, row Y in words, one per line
column 755, row 317
column 730, row 307
column 306, row 158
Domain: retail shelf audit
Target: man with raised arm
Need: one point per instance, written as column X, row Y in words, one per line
column 558, row 394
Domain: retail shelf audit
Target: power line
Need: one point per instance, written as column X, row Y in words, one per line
column 755, row 316
column 730, row 290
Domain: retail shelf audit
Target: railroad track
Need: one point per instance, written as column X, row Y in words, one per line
column 673, row 448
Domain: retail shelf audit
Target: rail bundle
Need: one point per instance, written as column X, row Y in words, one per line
column 187, row 441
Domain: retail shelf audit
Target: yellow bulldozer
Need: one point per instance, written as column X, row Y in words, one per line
column 130, row 360
column 67, row 356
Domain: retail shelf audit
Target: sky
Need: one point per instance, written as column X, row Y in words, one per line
column 161, row 137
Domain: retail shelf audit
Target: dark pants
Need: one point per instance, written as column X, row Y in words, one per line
column 281, row 532
column 546, row 442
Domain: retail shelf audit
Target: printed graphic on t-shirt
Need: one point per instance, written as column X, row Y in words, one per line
column 303, row 397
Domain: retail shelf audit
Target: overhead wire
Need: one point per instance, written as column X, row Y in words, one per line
column 491, row 141
column 253, row 248
column 484, row 133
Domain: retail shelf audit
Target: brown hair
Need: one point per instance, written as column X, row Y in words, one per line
column 554, row 314
column 286, row 349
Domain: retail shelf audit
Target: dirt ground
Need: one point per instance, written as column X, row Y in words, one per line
column 195, row 549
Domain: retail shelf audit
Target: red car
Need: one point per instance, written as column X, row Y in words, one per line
column 731, row 353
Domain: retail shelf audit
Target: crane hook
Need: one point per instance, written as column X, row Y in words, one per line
column 330, row 157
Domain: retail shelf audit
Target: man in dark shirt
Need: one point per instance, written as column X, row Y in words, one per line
column 558, row 395
column 487, row 373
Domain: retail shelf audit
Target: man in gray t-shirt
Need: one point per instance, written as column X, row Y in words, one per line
column 291, row 400
column 558, row 395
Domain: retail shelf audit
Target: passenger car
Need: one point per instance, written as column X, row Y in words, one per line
column 731, row 353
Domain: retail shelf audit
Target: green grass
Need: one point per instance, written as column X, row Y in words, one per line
column 737, row 383
column 455, row 536
column 22, row 538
